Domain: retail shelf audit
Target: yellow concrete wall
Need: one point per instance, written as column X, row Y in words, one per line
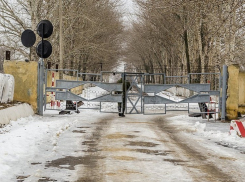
column 232, row 92
column 25, row 75
column 241, row 102
column 235, row 102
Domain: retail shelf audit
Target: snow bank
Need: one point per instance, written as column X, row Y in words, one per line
column 15, row 112
column 31, row 139
column 217, row 132
column 200, row 127
column 6, row 88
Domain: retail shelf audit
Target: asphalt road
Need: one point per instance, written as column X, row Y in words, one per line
column 140, row 148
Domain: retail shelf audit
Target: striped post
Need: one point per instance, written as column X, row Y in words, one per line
column 52, row 93
column 238, row 126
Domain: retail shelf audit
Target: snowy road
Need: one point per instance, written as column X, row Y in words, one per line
column 93, row 146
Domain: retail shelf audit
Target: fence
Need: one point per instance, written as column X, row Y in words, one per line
column 182, row 93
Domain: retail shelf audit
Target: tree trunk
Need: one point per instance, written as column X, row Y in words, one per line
column 187, row 52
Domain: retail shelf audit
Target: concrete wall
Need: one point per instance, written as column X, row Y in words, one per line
column 241, row 101
column 25, row 75
column 235, row 102
column 232, row 92
column 14, row 113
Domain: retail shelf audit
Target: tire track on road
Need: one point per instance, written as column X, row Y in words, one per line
column 88, row 164
column 196, row 163
column 93, row 171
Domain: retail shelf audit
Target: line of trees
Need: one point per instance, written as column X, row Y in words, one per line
column 173, row 36
column 91, row 31
column 187, row 36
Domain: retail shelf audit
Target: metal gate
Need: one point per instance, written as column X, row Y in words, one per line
column 64, row 90
column 147, row 94
column 151, row 94
column 182, row 93
column 134, row 94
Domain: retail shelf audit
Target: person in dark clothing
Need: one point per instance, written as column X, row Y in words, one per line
column 126, row 86
column 204, row 109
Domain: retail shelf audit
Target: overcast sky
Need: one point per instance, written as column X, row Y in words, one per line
column 129, row 5
column 129, row 9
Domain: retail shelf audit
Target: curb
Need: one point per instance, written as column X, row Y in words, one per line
column 14, row 113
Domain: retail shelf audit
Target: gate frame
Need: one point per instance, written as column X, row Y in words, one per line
column 210, row 92
column 42, row 88
column 43, row 82
column 139, row 92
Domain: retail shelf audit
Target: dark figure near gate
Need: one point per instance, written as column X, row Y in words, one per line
column 204, row 109
column 126, row 86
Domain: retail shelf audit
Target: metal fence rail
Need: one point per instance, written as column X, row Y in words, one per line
column 148, row 93
column 62, row 89
column 183, row 93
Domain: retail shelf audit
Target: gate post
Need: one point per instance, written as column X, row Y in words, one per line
column 40, row 86
column 224, row 92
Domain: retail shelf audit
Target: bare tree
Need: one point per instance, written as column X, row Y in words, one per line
column 192, row 35
column 91, row 30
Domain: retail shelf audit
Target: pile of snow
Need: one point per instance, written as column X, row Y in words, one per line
column 211, row 130
column 6, row 88
column 14, row 113
column 200, row 127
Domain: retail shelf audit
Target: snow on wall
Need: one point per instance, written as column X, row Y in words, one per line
column 6, row 88
column 14, row 113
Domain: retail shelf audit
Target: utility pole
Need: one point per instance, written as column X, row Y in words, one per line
column 61, row 39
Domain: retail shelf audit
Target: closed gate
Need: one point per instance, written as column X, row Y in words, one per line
column 134, row 94
column 182, row 93
column 196, row 93
column 89, row 88
column 151, row 94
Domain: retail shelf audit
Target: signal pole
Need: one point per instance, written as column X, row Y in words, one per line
column 61, row 39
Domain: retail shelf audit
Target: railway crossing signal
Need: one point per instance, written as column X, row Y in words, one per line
column 44, row 30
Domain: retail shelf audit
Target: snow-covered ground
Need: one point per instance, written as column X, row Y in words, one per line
column 217, row 132
column 56, row 147
column 27, row 145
